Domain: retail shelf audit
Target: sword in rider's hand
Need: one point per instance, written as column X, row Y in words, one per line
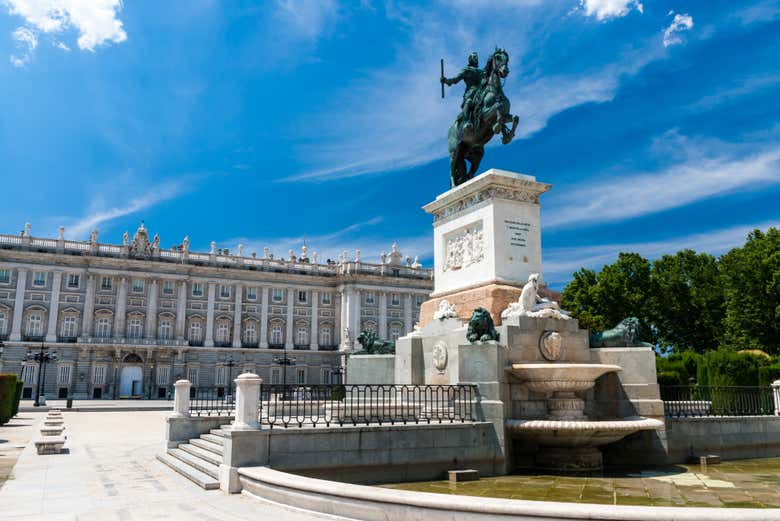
column 442, row 78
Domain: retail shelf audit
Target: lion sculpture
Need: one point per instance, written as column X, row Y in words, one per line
column 626, row 334
column 481, row 327
column 373, row 345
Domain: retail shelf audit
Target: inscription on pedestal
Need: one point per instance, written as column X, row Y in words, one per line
column 517, row 239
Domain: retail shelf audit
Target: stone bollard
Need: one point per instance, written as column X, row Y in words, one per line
column 247, row 399
column 776, row 389
column 181, row 399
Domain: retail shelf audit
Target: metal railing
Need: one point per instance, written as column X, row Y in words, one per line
column 701, row 400
column 313, row 405
column 217, row 400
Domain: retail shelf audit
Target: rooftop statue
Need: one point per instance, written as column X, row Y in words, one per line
column 484, row 113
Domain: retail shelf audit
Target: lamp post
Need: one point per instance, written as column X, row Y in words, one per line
column 284, row 362
column 230, row 364
column 43, row 357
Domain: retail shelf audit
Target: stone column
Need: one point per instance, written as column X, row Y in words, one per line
column 54, row 307
column 383, row 315
column 237, row 316
column 210, row 315
column 337, row 318
column 151, row 311
column 343, row 316
column 315, row 320
column 776, row 389
column 181, row 399
column 89, row 308
column 247, row 398
column 181, row 310
column 263, row 318
column 408, row 326
column 354, row 319
column 21, row 286
column 121, row 309
column 288, row 337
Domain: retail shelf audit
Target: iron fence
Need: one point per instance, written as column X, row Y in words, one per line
column 701, row 400
column 313, row 405
column 212, row 401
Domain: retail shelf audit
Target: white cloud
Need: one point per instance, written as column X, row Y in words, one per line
column 606, row 9
column 25, row 42
column 560, row 263
column 702, row 169
column 102, row 212
column 62, row 46
column 95, row 20
column 307, row 19
column 680, row 24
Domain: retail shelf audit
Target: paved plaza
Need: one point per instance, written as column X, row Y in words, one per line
column 108, row 473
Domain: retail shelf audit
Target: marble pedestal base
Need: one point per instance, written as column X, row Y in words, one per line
column 578, row 459
column 493, row 297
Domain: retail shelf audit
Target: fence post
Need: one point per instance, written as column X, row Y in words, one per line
column 776, row 389
column 247, row 400
column 181, row 399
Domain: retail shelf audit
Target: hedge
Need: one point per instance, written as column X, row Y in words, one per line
column 18, row 397
column 7, row 396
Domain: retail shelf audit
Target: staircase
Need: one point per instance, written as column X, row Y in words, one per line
column 199, row 459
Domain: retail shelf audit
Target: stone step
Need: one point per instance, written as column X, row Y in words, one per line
column 201, row 453
column 203, row 444
column 203, row 480
column 196, row 461
column 213, row 438
column 218, row 432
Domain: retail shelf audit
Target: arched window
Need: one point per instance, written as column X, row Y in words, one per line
column 68, row 327
column 302, row 335
column 250, row 333
column 196, row 331
column 165, row 329
column 135, row 328
column 369, row 326
column 3, row 321
column 395, row 332
column 223, row 332
column 103, row 328
column 34, row 324
column 277, row 338
column 326, row 336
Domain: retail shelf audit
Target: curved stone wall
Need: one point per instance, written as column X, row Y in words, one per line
column 359, row 502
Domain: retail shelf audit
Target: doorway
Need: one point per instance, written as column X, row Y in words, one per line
column 130, row 382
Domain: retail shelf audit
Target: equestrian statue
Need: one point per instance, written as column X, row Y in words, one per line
column 484, row 113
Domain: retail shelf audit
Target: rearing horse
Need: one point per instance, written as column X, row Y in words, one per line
column 491, row 114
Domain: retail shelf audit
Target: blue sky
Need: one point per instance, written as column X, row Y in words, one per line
column 657, row 122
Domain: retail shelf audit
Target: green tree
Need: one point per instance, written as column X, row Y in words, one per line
column 687, row 306
column 579, row 298
column 751, row 281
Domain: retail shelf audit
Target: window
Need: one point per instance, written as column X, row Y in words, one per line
column 224, row 291
column 165, row 329
column 138, row 286
column 326, row 375
column 68, row 327
column 34, row 325
column 2, row 323
column 301, row 376
column 276, row 376
column 369, row 297
column 326, row 298
column 163, row 374
column 99, row 375
column 196, row 332
column 395, row 299
column 277, row 296
column 395, row 332
column 103, row 328
column 302, row 335
column 251, row 293
column 302, row 297
column 192, row 375
column 73, row 280
column 63, row 375
column 221, row 375
column 418, row 301
column 250, row 333
column 106, row 283
column 223, row 332
column 135, row 330
column 325, row 336
column 197, row 289
column 276, row 334
column 39, row 278
column 30, row 374
column 168, row 287
column 5, row 276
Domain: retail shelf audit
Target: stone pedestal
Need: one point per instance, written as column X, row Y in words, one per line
column 487, row 240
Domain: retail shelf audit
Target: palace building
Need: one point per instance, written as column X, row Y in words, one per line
column 129, row 320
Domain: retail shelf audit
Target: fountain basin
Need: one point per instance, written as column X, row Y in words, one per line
column 579, row 433
column 552, row 377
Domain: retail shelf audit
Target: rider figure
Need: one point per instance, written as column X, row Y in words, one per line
column 472, row 76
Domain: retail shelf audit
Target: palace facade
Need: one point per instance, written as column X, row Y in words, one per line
column 129, row 320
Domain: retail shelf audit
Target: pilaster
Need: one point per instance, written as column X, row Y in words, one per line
column 181, row 310
column 289, row 342
column 54, row 307
column 237, row 316
column 315, row 320
column 264, row 318
column 89, row 307
column 121, row 309
column 383, row 315
column 21, row 286
column 210, row 315
column 151, row 310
